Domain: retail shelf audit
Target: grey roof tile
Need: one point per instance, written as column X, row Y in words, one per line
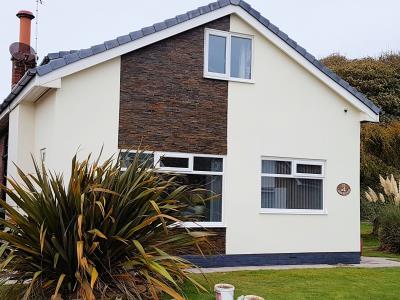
column 264, row 21
column 57, row 60
column 301, row 50
column 43, row 70
column 193, row 13
column 98, row 48
column 171, row 22
column 124, row 39
column 70, row 58
column 245, row 6
column 291, row 43
column 283, row 35
column 214, row 6
column 111, row 44
column 204, row 9
column 223, row 3
column 83, row 53
column 148, row 30
column 255, row 13
column 64, row 53
column 53, row 55
column 273, row 28
column 136, row 35
column 309, row 57
column 160, row 26
column 57, row 63
column 182, row 18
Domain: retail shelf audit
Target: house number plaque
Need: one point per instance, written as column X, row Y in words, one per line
column 343, row 189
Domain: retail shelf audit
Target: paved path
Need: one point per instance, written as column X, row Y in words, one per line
column 366, row 262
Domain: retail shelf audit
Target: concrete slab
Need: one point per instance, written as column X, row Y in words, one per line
column 366, row 262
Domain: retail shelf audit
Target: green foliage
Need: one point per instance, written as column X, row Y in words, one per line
column 389, row 232
column 378, row 79
column 105, row 233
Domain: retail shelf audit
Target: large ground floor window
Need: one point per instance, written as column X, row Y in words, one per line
column 291, row 185
column 205, row 171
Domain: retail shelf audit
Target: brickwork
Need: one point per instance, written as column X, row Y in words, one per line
column 166, row 103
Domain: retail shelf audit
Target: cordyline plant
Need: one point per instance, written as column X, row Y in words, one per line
column 389, row 197
column 104, row 234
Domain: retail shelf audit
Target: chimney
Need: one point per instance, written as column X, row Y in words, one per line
column 23, row 56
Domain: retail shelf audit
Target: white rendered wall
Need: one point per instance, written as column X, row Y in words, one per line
column 81, row 117
column 288, row 113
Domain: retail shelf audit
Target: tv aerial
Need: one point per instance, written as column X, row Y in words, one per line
column 22, row 52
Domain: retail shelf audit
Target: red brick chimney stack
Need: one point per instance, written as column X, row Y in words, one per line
column 20, row 66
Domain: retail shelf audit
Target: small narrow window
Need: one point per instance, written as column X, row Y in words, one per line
column 217, row 54
column 211, row 164
column 309, row 169
column 174, row 162
column 241, row 57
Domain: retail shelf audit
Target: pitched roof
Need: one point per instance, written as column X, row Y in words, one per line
column 54, row 61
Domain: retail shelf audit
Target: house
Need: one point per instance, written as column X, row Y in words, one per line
column 222, row 95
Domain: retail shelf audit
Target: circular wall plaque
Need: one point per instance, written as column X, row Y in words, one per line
column 343, row 189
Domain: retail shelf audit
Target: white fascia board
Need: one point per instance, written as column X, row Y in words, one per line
column 31, row 92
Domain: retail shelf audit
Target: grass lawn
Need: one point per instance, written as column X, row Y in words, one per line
column 338, row 283
column 371, row 244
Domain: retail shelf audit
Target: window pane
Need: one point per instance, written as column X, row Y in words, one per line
column 309, row 169
column 210, row 211
column 276, row 167
column 217, row 54
column 241, row 58
column 291, row 193
column 128, row 157
column 207, row 164
column 174, row 162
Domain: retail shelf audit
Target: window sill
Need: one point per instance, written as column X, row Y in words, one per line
column 233, row 79
column 293, row 212
column 203, row 225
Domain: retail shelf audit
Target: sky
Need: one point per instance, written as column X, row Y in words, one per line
column 354, row 28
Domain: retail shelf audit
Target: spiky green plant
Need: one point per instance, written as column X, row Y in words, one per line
column 101, row 234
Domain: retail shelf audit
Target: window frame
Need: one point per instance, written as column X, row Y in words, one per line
column 227, row 74
column 294, row 174
column 190, row 170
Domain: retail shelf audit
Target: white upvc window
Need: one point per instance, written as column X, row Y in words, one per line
column 292, row 186
column 228, row 56
column 200, row 170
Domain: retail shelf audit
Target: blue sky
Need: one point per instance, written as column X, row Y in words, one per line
column 353, row 28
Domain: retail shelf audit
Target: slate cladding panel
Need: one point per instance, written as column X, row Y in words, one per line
column 165, row 102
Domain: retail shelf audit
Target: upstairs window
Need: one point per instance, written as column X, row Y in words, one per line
column 228, row 55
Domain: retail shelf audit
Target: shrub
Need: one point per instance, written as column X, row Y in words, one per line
column 105, row 233
column 389, row 233
column 389, row 197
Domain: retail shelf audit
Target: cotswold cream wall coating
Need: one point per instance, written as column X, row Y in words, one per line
column 81, row 117
column 288, row 113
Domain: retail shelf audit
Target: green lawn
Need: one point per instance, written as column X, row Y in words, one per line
column 371, row 243
column 338, row 283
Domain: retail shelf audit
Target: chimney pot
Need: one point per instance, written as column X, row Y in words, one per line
column 25, row 18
